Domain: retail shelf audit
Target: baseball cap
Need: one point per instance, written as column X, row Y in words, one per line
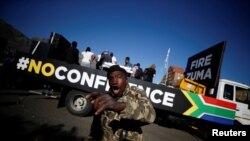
column 116, row 68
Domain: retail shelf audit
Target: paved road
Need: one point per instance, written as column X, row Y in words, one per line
column 34, row 117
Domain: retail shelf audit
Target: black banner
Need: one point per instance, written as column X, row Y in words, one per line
column 205, row 66
column 89, row 80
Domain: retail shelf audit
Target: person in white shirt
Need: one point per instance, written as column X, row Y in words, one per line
column 134, row 69
column 114, row 60
column 86, row 57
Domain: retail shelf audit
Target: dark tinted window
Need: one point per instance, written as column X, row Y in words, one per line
column 228, row 92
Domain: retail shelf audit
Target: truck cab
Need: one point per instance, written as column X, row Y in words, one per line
column 238, row 93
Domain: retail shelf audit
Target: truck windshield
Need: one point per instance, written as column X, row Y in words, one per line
column 242, row 95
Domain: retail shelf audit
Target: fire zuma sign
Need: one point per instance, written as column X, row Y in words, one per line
column 204, row 67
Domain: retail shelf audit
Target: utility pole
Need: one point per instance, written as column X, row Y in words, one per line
column 166, row 65
column 164, row 79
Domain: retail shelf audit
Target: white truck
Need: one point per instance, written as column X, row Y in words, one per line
column 238, row 93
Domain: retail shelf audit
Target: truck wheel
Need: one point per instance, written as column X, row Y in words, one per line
column 77, row 104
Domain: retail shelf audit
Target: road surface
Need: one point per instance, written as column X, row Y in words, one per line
column 34, row 117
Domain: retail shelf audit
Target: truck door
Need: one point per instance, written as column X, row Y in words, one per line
column 238, row 93
column 243, row 111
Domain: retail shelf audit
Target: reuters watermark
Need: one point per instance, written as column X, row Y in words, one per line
column 228, row 133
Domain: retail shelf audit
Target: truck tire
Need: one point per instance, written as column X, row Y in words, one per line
column 77, row 104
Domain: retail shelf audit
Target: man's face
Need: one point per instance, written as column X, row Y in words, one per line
column 117, row 82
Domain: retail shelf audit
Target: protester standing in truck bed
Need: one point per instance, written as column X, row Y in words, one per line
column 71, row 54
column 149, row 73
column 86, row 57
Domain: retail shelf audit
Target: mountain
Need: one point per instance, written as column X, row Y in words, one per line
column 11, row 38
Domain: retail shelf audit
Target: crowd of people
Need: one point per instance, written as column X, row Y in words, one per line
column 89, row 59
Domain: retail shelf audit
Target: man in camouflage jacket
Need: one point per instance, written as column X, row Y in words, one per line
column 120, row 114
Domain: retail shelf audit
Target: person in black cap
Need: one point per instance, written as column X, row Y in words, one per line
column 128, row 63
column 138, row 72
column 116, row 68
column 121, row 112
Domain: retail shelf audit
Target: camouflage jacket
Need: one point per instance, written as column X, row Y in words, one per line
column 127, row 123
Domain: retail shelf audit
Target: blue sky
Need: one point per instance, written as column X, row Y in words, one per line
column 143, row 29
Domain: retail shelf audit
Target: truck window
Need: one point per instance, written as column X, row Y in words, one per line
column 241, row 95
column 228, row 92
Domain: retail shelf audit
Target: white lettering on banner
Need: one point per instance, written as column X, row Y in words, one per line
column 200, row 74
column 74, row 76
column 201, row 62
column 57, row 72
column 148, row 89
column 168, row 99
column 107, row 86
column 152, row 96
column 100, row 80
column 87, row 79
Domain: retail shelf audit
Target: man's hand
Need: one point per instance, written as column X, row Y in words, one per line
column 101, row 102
